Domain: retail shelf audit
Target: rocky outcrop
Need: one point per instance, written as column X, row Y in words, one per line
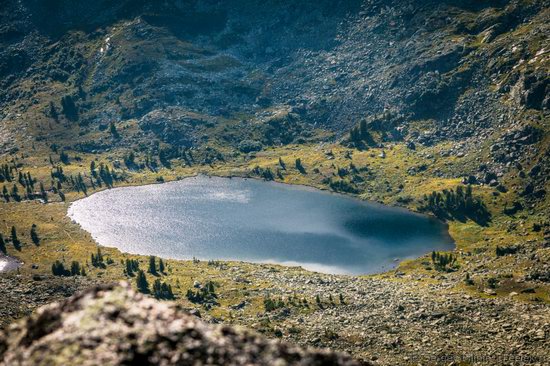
column 113, row 325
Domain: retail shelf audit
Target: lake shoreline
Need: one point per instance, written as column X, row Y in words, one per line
column 383, row 267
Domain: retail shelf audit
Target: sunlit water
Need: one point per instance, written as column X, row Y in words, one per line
column 255, row 221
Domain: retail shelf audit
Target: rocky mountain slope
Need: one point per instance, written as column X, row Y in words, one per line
column 458, row 70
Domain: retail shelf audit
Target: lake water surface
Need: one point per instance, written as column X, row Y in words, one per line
column 255, row 221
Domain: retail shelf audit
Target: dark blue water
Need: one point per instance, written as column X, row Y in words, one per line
column 250, row 220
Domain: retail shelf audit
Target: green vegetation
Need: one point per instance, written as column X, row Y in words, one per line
column 58, row 269
column 142, row 283
column 3, row 245
column 459, row 204
column 34, row 235
column 14, row 239
column 97, row 259
column 204, row 295
column 131, row 266
column 152, row 265
column 444, row 262
column 162, row 290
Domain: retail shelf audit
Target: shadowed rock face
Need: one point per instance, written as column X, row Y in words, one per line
column 113, row 325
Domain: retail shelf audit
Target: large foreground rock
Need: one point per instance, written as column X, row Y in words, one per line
column 113, row 325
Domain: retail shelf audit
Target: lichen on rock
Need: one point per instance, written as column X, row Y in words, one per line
column 113, row 325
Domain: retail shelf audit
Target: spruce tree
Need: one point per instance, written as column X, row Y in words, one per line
column 113, row 130
column 364, row 133
column 14, row 240
column 43, row 193
column 53, row 112
column 69, row 108
column 300, row 166
column 15, row 193
column 75, row 268
column 64, row 158
column 34, row 235
column 141, row 282
column 2, row 245
column 6, row 194
column 161, row 265
column 152, row 265
column 129, row 269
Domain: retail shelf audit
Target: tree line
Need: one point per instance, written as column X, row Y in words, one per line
column 459, row 204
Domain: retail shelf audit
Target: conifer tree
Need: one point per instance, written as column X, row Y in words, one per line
column 43, row 193
column 53, row 112
column 161, row 265
column 363, row 132
column 300, row 166
column 141, row 282
column 75, row 268
column 318, row 301
column 113, row 130
column 152, row 265
column 64, row 158
column 69, row 108
column 14, row 239
column 15, row 193
column 34, row 235
column 2, row 245
column 6, row 194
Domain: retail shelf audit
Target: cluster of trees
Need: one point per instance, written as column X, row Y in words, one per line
column 457, row 204
column 502, row 251
column 342, row 185
column 360, row 134
column 103, row 176
column 78, row 184
column 68, row 107
column 271, row 305
column 131, row 267
column 265, row 173
column 58, row 269
column 26, row 181
column 6, row 173
column 161, row 290
column 444, row 262
column 331, row 301
column 15, row 239
column 468, row 280
column 153, row 268
column 98, row 260
column 205, row 294
column 162, row 155
column 14, row 193
column 64, row 158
